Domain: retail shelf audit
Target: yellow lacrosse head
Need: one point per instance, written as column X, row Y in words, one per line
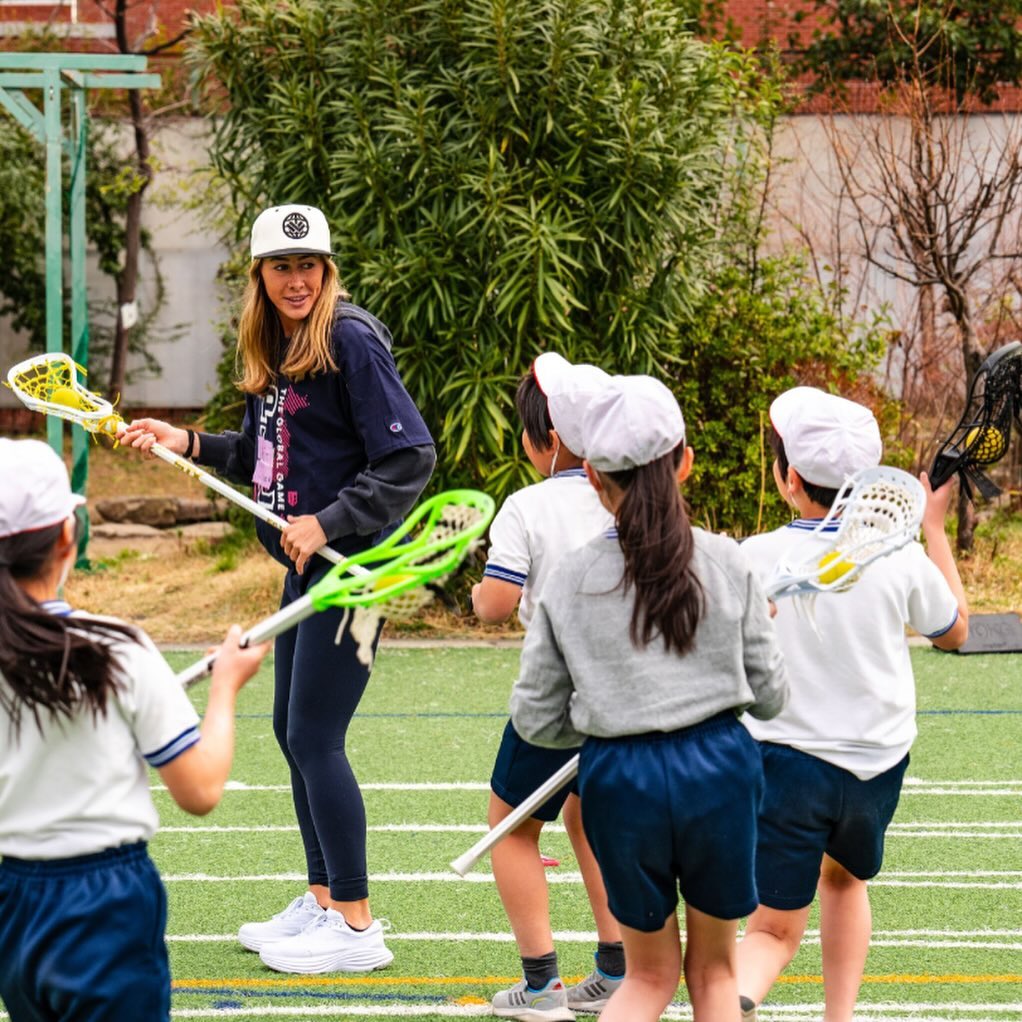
column 985, row 444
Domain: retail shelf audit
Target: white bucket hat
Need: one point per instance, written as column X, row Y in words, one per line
column 826, row 438
column 35, row 493
column 632, row 421
column 568, row 389
column 290, row 230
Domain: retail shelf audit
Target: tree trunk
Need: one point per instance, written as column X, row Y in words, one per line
column 127, row 279
column 966, row 523
column 971, row 360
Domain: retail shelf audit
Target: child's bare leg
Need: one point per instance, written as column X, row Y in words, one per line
column 521, row 882
column 607, row 928
column 772, row 937
column 710, row 966
column 846, row 924
column 654, row 970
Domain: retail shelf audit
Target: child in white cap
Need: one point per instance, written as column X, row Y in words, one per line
column 534, row 528
column 85, row 704
column 835, row 757
column 644, row 648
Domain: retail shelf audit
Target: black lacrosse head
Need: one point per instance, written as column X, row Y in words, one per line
column 983, row 433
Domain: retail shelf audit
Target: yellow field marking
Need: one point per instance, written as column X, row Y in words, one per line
column 894, row 978
column 197, row 985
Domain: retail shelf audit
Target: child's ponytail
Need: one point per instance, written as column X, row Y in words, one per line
column 656, row 539
column 48, row 663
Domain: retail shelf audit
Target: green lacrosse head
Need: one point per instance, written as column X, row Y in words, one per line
column 428, row 546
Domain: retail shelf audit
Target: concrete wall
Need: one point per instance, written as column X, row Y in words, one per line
column 807, row 209
column 190, row 255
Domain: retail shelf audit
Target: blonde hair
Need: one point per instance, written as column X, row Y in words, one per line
column 259, row 329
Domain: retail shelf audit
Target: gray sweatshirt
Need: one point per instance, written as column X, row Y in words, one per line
column 580, row 674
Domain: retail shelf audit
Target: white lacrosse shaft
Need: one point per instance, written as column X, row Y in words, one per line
column 553, row 784
column 269, row 628
column 228, row 491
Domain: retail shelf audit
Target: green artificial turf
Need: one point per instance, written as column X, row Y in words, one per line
column 947, row 906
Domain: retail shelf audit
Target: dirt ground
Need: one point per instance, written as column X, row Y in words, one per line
column 184, row 592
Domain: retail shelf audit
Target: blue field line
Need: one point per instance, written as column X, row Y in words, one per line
column 968, row 713
column 397, row 716
column 455, row 715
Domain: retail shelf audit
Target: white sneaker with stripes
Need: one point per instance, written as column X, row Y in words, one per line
column 547, row 1005
column 592, row 994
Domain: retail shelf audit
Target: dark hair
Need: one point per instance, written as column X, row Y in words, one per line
column 532, row 410
column 822, row 495
column 48, row 662
column 655, row 534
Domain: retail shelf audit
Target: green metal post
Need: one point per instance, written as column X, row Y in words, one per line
column 78, row 72
column 54, row 238
column 79, row 300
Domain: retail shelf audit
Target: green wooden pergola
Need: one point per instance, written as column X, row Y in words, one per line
column 77, row 73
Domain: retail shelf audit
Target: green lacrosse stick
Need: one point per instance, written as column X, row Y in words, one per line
column 394, row 578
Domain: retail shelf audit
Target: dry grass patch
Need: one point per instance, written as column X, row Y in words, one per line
column 180, row 597
column 189, row 596
column 992, row 573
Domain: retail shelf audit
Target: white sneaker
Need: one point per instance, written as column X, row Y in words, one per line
column 291, row 921
column 329, row 944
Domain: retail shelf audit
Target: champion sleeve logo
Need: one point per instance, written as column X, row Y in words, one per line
column 395, row 427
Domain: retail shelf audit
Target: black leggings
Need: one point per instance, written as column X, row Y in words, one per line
column 318, row 682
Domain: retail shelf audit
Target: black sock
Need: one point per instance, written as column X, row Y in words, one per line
column 746, row 1003
column 539, row 971
column 610, row 958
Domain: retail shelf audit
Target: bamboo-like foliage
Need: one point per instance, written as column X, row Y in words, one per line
column 501, row 178
column 504, row 178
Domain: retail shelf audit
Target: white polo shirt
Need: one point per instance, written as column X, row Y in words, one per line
column 80, row 785
column 539, row 523
column 852, row 697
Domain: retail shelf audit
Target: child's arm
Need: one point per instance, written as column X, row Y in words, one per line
column 765, row 669
column 541, row 697
column 938, row 549
column 495, row 600
column 196, row 778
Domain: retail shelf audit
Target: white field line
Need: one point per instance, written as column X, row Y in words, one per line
column 891, row 879
column 979, row 829
column 881, row 938
column 905, row 1011
column 894, row 1012
column 911, row 786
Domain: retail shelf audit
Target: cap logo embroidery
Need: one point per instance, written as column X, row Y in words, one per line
column 295, row 226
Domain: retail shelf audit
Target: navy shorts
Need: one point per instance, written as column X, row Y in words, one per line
column 521, row 768
column 674, row 811
column 811, row 807
column 81, row 939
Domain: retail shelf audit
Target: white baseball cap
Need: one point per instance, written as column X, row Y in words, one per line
column 826, row 438
column 568, row 389
column 632, row 421
column 35, row 493
column 290, row 230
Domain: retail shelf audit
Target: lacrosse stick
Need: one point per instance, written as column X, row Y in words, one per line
column 49, row 384
column 984, row 430
column 878, row 511
column 398, row 577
